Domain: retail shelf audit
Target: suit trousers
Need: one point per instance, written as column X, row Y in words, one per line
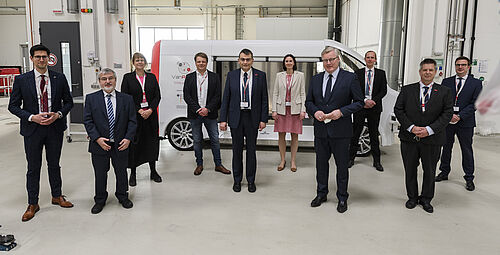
column 33, row 147
column 244, row 133
column 324, row 148
column 465, row 139
column 373, row 119
column 428, row 154
column 101, row 168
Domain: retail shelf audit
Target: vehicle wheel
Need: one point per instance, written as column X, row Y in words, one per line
column 364, row 143
column 179, row 134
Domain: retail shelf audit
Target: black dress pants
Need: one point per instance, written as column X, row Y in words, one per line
column 244, row 132
column 119, row 159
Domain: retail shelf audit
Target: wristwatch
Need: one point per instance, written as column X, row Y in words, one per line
column 60, row 114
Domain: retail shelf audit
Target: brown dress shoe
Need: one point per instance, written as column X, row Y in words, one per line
column 222, row 169
column 198, row 170
column 30, row 212
column 280, row 168
column 61, row 201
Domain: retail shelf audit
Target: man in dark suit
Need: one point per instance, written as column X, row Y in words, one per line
column 423, row 109
column 465, row 90
column 332, row 97
column 245, row 107
column 110, row 122
column 46, row 100
column 374, row 84
column 202, row 92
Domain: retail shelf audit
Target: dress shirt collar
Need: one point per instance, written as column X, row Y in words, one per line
column 113, row 93
column 38, row 74
column 423, row 85
column 464, row 78
column 249, row 73
column 334, row 74
column 201, row 75
column 373, row 69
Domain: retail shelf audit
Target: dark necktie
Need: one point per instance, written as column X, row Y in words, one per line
column 111, row 117
column 426, row 99
column 44, row 99
column 460, row 80
column 368, row 83
column 328, row 91
column 246, row 98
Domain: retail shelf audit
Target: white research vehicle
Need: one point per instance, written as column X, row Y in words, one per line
column 173, row 60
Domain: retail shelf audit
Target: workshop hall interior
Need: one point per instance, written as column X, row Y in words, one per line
column 249, row 127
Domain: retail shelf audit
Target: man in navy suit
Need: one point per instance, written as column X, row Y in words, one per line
column 110, row 121
column 465, row 89
column 202, row 92
column 245, row 107
column 332, row 97
column 46, row 100
column 423, row 109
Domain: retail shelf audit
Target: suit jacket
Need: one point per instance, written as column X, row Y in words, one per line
column 230, row 108
column 466, row 99
column 379, row 89
column 346, row 96
column 298, row 93
column 95, row 119
column 437, row 115
column 213, row 95
column 131, row 86
column 24, row 93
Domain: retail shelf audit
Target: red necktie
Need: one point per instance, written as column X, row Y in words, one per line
column 44, row 99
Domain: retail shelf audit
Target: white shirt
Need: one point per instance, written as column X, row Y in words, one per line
column 249, row 88
column 38, row 80
column 113, row 101
column 422, row 96
column 202, row 88
column 325, row 79
column 369, row 96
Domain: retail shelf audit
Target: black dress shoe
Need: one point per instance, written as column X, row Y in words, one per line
column 251, row 187
column 351, row 163
column 427, row 206
column 237, row 187
column 318, row 200
column 97, row 208
column 410, row 204
column 470, row 185
column 155, row 176
column 126, row 203
column 441, row 177
column 342, row 206
column 378, row 166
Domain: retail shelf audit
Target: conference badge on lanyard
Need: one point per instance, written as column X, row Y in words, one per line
column 244, row 103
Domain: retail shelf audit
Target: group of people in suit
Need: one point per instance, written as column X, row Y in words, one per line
column 122, row 127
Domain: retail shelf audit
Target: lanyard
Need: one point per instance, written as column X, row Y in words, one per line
column 142, row 82
column 203, row 81
column 459, row 90
column 245, row 86
column 369, row 79
column 289, row 79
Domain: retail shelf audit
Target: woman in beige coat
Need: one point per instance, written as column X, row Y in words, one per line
column 289, row 108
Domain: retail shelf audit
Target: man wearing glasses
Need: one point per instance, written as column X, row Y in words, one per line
column 423, row 109
column 332, row 97
column 110, row 121
column 245, row 108
column 46, row 100
column 465, row 90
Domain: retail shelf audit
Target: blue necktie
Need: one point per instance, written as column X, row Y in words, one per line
column 426, row 99
column 328, row 91
column 246, row 98
column 111, row 117
column 367, row 88
column 460, row 80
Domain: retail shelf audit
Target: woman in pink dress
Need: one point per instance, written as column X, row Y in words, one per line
column 289, row 108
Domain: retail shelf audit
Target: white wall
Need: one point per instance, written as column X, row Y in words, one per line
column 13, row 31
column 113, row 44
column 291, row 28
column 361, row 24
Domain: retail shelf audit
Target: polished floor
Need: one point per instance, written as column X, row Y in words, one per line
column 189, row 214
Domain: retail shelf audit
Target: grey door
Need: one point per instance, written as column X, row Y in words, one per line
column 63, row 40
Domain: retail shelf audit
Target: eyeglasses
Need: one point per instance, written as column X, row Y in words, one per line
column 107, row 78
column 462, row 65
column 40, row 57
column 329, row 60
column 246, row 59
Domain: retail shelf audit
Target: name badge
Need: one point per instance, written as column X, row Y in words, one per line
column 144, row 105
column 288, row 103
column 456, row 108
column 244, row 104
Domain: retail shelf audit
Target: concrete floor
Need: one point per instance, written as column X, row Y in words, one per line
column 202, row 215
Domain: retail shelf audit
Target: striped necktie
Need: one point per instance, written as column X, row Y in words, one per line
column 111, row 118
